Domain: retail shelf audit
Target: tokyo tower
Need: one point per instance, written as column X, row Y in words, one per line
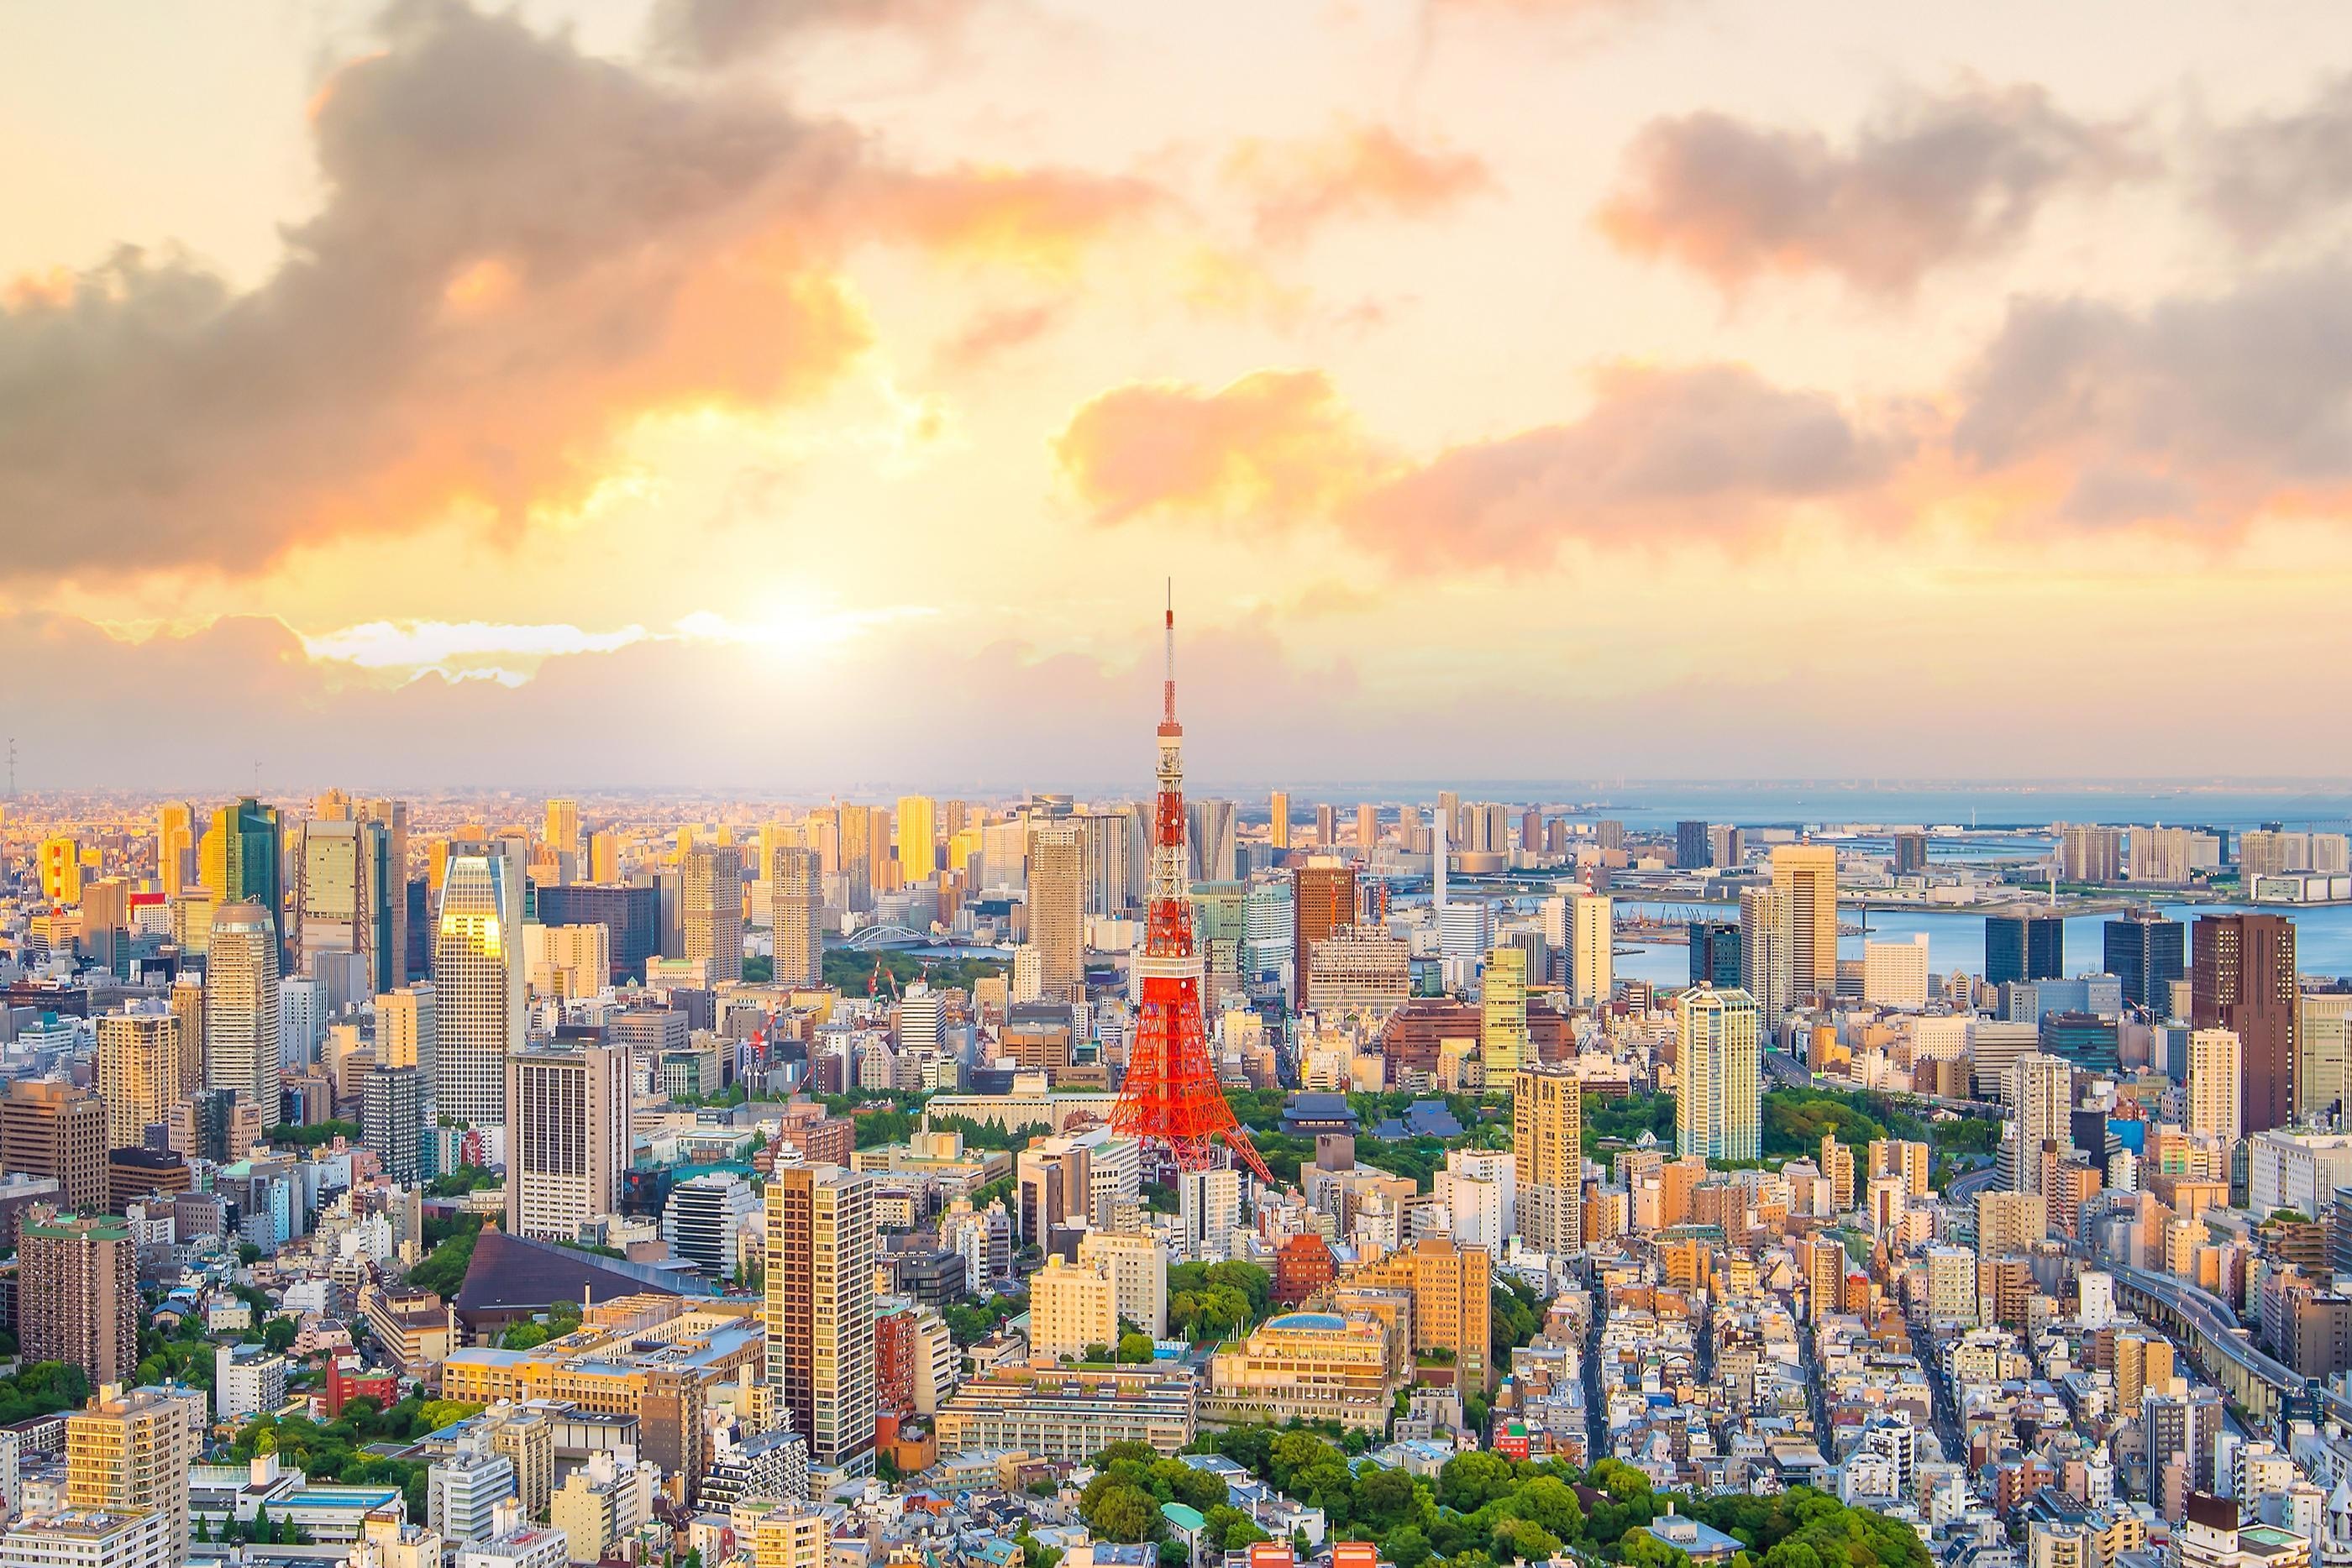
column 1170, row 1096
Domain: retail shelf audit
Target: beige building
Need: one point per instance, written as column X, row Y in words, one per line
column 1307, row 1366
column 1718, row 1102
column 1361, row 971
column 480, row 1002
column 1067, row 1413
column 132, row 1450
column 1057, row 909
column 778, row 1534
column 568, row 1142
column 1548, row 1157
column 241, row 1005
column 1805, row 876
column 1503, row 995
column 139, row 1066
column 1136, row 1265
column 1071, row 1308
column 795, row 905
column 710, row 910
column 1592, row 951
column 2216, row 1086
column 2009, row 1222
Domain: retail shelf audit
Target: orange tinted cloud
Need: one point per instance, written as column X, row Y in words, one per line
column 1044, row 218
column 1713, row 449
column 1356, row 172
column 1277, row 445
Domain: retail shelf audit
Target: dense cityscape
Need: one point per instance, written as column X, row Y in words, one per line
column 1074, row 784
column 1173, row 1182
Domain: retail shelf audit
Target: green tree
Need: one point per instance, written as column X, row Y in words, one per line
column 1118, row 1510
column 1135, row 1348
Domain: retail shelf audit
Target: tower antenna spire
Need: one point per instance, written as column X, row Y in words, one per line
column 1168, row 686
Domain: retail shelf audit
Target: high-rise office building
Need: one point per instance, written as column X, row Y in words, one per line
column 795, row 908
column 1718, row 1105
column 1805, row 876
column 819, row 1309
column 1326, row 828
column 2217, row 1089
column 1322, row 902
column 2040, row 1089
column 2146, row 953
column 242, row 859
column 1692, row 848
column 1910, row 853
column 392, row 1119
column 407, row 1033
column 919, row 838
column 630, row 914
column 478, row 1002
column 1548, row 1157
column 1592, row 946
column 2024, row 947
column 49, row 1128
column 176, row 846
column 345, row 901
column 241, row 1005
column 187, row 1004
column 1367, row 828
column 2242, row 979
column 78, row 1295
column 1057, row 909
column 1715, row 953
column 60, row 861
column 1277, row 818
column 398, row 964
column 1213, row 844
column 563, row 827
column 139, row 1065
column 710, row 914
column 1764, row 964
column 129, row 1451
column 567, row 1137
column 1503, row 993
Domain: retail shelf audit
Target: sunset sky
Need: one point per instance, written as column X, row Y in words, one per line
column 815, row 395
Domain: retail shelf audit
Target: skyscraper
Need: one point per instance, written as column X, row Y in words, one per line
column 567, row 1138
column 563, row 827
column 1322, row 901
column 242, row 859
column 1326, row 831
column 919, row 838
column 392, row 1119
column 241, row 1005
column 1503, row 992
column 393, row 817
column 1805, row 876
column 2216, row 1089
column 478, row 984
column 408, row 1032
column 819, row 1311
column 52, row 1129
column 711, row 913
column 345, row 901
column 2091, row 853
column 2243, row 981
column 1057, row 909
column 176, row 846
column 1718, row 1105
column 2024, row 947
column 139, row 1066
column 2040, row 1094
column 1592, row 946
column 78, row 1295
column 1277, row 818
column 2146, row 953
column 1714, row 954
column 1548, row 1157
column 794, row 903
column 1691, row 845
column 1764, row 970
column 1367, row 828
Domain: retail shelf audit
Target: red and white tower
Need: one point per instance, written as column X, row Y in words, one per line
column 1170, row 1096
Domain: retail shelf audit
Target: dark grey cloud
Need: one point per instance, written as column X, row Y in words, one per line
column 1927, row 183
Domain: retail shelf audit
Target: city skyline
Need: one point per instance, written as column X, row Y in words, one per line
column 1454, row 377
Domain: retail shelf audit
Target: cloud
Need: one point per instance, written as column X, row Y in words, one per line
column 2269, row 175
column 1928, row 182
column 1277, row 445
column 707, row 32
column 2202, row 408
column 1710, row 449
column 522, row 248
column 1356, row 172
column 993, row 333
column 1040, row 218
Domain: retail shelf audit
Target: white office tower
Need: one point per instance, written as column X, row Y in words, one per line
column 568, row 1141
column 703, row 1222
column 1466, row 930
column 478, row 985
column 91, row 1538
column 1480, row 1190
column 2040, row 1094
column 1718, row 1103
column 918, row 1018
column 2097, row 1292
column 241, row 1005
column 1209, row 1207
column 462, row 1491
column 301, row 1021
